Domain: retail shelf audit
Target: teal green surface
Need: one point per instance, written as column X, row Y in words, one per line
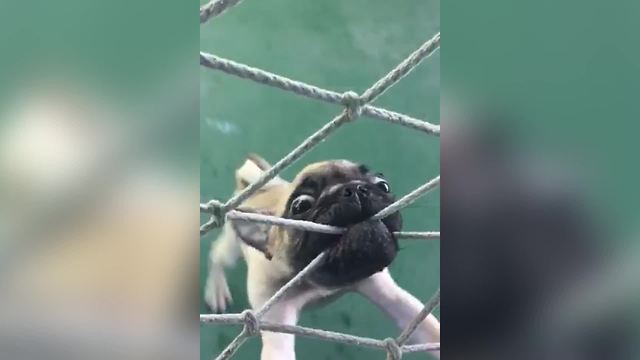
column 338, row 45
column 567, row 75
column 123, row 48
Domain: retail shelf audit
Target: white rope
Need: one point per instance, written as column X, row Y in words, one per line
column 289, row 159
column 211, row 224
column 417, row 235
column 327, row 229
column 408, row 199
column 293, row 282
column 426, row 310
column 235, row 215
column 215, row 8
column 212, row 204
column 355, row 106
column 401, row 119
column 255, row 319
column 264, row 77
column 249, row 214
column 289, row 223
column 402, row 69
column 237, row 319
column 395, row 347
column 253, row 325
column 267, row 78
column 420, row 347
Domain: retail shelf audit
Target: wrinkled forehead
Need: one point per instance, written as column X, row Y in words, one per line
column 320, row 175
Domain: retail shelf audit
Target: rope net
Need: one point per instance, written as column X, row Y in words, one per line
column 354, row 106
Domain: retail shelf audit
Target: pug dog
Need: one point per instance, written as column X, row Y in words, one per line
column 339, row 193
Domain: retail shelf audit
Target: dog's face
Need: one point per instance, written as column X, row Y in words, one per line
column 344, row 194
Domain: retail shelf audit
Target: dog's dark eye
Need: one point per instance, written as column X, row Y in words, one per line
column 301, row 204
column 383, row 185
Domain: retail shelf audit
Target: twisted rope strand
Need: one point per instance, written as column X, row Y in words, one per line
column 315, row 227
column 289, row 159
column 267, row 78
column 290, row 284
column 401, row 119
column 408, row 199
column 394, row 346
column 212, row 204
column 417, row 235
column 236, row 319
column 278, row 221
column 215, row 8
column 249, row 214
column 421, row 347
column 298, row 87
column 402, row 69
column 426, row 310
column 208, row 226
column 242, row 337
column 221, row 319
column 233, row 346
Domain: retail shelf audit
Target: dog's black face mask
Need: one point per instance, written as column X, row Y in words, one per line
column 343, row 194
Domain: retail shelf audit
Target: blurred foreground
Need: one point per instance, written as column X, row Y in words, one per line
column 98, row 180
column 531, row 268
column 99, row 244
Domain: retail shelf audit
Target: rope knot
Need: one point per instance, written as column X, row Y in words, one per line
column 394, row 351
column 217, row 212
column 251, row 323
column 353, row 103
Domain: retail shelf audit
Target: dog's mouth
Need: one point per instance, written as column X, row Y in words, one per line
column 368, row 246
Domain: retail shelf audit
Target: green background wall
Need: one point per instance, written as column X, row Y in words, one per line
column 339, row 45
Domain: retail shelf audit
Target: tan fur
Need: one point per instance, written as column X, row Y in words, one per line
column 269, row 197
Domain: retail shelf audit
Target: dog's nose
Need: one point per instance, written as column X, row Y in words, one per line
column 350, row 190
column 363, row 189
column 347, row 191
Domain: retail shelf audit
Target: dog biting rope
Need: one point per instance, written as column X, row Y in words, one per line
column 354, row 106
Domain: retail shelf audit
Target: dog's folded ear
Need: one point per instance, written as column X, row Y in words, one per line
column 252, row 169
column 265, row 200
column 253, row 234
column 258, row 160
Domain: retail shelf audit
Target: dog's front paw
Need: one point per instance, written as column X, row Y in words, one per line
column 216, row 293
